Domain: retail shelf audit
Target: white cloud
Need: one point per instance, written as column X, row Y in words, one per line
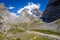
column 10, row 7
column 30, row 6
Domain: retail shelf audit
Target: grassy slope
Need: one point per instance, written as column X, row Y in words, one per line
column 48, row 32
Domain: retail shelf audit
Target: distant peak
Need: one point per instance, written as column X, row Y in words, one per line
column 29, row 7
column 2, row 5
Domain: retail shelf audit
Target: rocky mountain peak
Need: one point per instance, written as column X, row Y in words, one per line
column 3, row 10
column 2, row 6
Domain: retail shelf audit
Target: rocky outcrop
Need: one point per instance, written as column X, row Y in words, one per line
column 3, row 10
column 37, row 12
column 52, row 11
column 4, row 15
column 25, row 16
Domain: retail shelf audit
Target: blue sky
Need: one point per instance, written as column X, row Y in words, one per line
column 17, row 4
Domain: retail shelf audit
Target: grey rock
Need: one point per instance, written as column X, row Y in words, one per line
column 52, row 11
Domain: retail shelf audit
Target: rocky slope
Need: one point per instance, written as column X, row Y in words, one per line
column 52, row 11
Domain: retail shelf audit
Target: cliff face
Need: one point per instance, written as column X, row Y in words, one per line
column 3, row 10
column 3, row 14
column 24, row 16
column 52, row 11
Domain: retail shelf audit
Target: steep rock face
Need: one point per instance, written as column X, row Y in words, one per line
column 2, row 13
column 52, row 11
column 26, row 17
column 3, row 10
column 4, row 16
column 51, row 16
column 37, row 12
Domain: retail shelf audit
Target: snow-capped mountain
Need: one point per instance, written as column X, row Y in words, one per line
column 29, row 12
column 32, row 9
column 26, row 16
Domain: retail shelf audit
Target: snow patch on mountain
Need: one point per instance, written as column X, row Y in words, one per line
column 29, row 8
